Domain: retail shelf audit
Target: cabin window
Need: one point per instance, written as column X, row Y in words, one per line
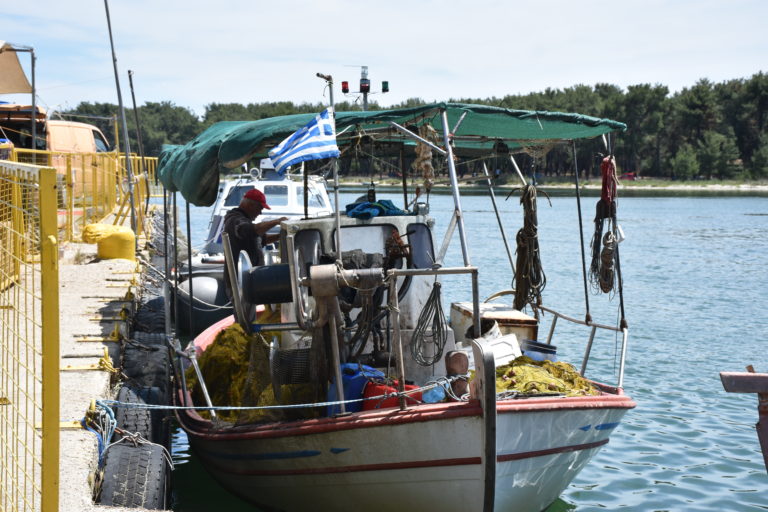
column 101, row 144
column 420, row 240
column 277, row 195
column 315, row 199
column 236, row 195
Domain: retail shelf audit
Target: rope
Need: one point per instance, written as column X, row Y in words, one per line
column 136, row 439
column 530, row 279
column 431, row 316
column 601, row 269
column 432, row 384
column 102, row 423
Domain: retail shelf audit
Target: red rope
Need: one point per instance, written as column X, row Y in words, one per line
column 608, row 171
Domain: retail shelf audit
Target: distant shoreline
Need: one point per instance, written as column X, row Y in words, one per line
column 629, row 188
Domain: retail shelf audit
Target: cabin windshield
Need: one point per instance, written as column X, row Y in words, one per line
column 315, row 199
column 277, row 195
column 236, row 195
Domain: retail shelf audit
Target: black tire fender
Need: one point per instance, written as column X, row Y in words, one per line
column 135, row 476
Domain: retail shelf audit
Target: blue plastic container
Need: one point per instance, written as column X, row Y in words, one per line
column 538, row 351
column 354, row 376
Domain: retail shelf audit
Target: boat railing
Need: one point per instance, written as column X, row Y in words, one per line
column 394, row 307
column 594, row 327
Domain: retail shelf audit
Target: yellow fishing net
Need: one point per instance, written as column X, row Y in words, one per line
column 524, row 375
column 236, row 371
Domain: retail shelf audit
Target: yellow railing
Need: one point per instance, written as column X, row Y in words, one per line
column 46, row 197
column 93, row 187
column 29, row 339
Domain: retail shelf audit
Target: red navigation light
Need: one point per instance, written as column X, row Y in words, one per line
column 365, row 85
column 385, row 86
column 345, row 87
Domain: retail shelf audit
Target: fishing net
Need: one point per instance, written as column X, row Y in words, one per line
column 423, row 162
column 237, row 372
column 526, row 376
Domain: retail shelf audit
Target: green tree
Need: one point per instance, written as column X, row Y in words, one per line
column 759, row 165
column 684, row 164
column 645, row 109
column 717, row 155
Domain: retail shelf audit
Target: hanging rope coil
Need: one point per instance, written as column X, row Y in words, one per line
column 530, row 279
column 601, row 269
column 431, row 318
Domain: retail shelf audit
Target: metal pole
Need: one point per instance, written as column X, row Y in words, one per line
column 34, row 107
column 455, row 188
column 329, row 81
column 166, row 263
column 306, row 190
column 189, row 273
column 498, row 218
column 405, row 181
column 519, row 173
column 588, row 317
column 337, row 362
column 175, row 261
column 622, row 361
column 129, row 169
column 138, row 139
column 394, row 307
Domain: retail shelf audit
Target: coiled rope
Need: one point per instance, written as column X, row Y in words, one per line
column 530, row 279
column 601, row 269
column 431, row 318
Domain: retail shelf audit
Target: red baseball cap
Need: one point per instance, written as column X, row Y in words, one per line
column 257, row 195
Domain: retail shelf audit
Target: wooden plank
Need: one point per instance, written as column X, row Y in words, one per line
column 743, row 382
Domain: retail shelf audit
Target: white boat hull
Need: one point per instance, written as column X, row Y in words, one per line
column 429, row 457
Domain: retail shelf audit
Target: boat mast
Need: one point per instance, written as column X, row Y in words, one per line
column 329, row 80
column 457, row 211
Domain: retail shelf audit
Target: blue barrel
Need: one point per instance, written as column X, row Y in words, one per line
column 354, row 376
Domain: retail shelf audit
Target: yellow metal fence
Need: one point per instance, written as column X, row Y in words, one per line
column 93, row 187
column 46, row 197
column 29, row 339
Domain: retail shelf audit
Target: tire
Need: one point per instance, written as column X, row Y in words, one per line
column 150, row 316
column 149, row 423
column 135, row 476
column 152, row 339
column 146, row 362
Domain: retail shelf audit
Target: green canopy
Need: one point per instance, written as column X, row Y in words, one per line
column 193, row 169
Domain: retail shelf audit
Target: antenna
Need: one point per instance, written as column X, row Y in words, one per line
column 365, row 85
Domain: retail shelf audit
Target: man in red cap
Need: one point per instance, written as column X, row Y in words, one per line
column 246, row 236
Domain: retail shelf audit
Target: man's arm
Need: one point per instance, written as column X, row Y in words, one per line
column 262, row 227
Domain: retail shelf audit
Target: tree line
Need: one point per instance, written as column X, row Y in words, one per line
column 709, row 130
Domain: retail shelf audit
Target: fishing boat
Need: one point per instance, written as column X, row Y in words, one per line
column 406, row 410
column 205, row 275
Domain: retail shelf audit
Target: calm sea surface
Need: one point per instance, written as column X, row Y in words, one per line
column 696, row 288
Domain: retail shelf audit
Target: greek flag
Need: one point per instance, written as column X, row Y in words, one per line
column 314, row 141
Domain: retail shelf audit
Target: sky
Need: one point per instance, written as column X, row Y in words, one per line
column 195, row 53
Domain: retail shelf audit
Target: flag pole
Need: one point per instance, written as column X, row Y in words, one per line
column 329, row 80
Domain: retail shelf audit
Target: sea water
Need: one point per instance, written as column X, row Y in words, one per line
column 695, row 272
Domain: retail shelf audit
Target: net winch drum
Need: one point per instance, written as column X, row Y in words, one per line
column 268, row 284
column 539, row 351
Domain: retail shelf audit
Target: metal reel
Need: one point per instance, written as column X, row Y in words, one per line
column 244, row 267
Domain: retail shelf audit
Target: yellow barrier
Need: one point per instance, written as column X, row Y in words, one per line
column 29, row 339
column 94, row 186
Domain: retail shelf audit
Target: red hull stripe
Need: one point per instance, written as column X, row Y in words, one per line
column 466, row 461
column 551, row 451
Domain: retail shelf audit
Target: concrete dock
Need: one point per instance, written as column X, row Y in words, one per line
column 94, row 296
